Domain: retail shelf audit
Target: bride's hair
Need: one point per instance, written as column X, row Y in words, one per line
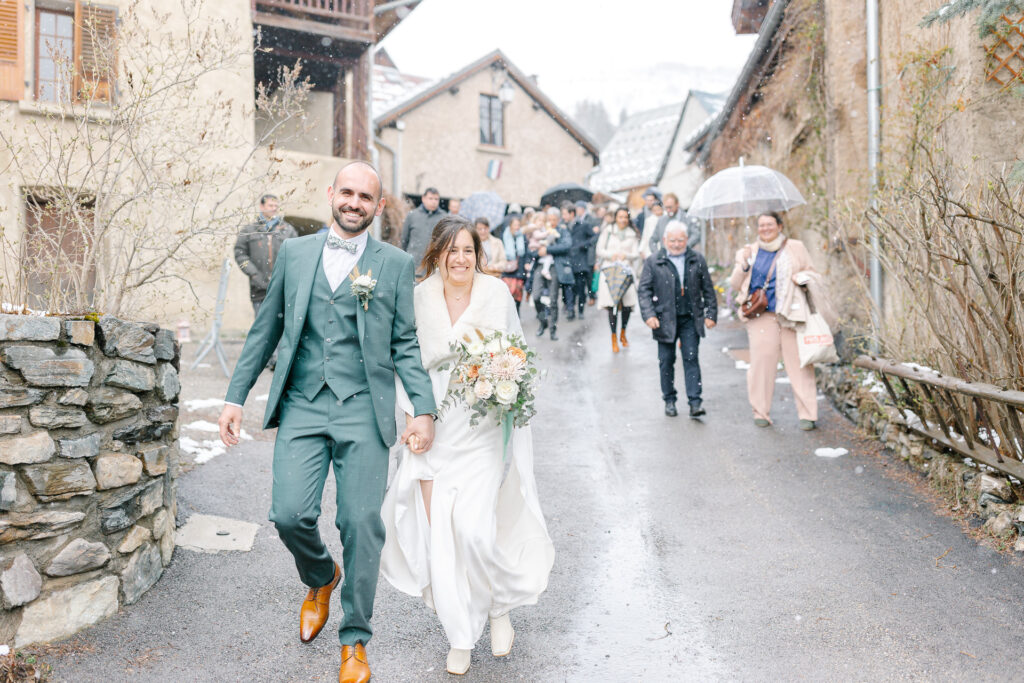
column 442, row 238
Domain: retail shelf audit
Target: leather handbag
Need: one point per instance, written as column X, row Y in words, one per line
column 757, row 300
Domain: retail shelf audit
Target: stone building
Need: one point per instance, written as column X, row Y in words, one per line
column 334, row 41
column 486, row 127
column 800, row 105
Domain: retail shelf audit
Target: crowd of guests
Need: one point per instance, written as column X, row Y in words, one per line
column 566, row 258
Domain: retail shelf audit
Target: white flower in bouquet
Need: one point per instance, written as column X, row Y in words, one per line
column 364, row 282
column 506, row 366
column 494, row 346
column 483, row 389
column 475, row 348
column 506, row 391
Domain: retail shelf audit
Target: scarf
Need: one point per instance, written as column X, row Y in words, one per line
column 773, row 245
column 515, row 245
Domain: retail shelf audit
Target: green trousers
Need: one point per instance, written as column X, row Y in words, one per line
column 313, row 435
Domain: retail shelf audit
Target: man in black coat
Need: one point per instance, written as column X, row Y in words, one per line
column 677, row 301
column 583, row 238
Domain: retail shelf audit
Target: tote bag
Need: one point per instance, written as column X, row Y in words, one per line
column 814, row 341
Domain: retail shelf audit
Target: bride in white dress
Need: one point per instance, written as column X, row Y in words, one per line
column 462, row 533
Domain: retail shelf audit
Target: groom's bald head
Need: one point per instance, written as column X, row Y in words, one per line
column 357, row 173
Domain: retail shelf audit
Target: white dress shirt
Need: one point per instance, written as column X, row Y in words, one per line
column 338, row 263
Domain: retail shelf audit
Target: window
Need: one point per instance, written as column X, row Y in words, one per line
column 12, row 78
column 56, row 248
column 55, row 41
column 492, row 121
column 75, row 53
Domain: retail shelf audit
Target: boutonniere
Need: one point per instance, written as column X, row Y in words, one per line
column 362, row 286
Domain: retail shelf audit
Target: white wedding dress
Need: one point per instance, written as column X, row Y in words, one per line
column 487, row 548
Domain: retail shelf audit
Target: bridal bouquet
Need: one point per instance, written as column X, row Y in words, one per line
column 494, row 375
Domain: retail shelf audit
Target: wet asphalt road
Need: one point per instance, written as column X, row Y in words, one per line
column 687, row 550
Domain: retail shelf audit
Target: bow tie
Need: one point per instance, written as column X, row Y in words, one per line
column 335, row 242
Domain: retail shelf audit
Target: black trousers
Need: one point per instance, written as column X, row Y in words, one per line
column 547, row 290
column 689, row 342
column 581, row 288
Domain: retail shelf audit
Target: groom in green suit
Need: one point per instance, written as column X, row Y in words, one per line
column 332, row 399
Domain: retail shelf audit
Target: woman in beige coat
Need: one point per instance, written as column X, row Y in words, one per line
column 774, row 330
column 494, row 251
column 618, row 242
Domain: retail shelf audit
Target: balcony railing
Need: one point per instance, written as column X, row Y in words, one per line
column 343, row 18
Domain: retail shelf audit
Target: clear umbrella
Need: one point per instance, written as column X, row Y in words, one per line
column 484, row 204
column 743, row 191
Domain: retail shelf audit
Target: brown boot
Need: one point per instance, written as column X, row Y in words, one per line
column 354, row 666
column 622, row 338
column 615, row 344
column 316, row 608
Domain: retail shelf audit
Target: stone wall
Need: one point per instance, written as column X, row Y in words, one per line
column 970, row 488
column 88, row 462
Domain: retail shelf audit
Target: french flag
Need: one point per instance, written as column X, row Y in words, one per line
column 494, row 169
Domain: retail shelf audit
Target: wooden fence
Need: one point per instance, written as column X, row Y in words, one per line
column 980, row 421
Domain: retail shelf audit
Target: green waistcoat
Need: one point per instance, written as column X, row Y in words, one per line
column 328, row 350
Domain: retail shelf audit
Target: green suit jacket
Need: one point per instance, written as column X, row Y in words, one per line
column 387, row 330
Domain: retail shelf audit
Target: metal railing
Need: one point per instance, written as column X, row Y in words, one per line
column 980, row 421
column 355, row 13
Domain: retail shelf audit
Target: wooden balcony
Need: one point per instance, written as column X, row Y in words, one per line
column 349, row 20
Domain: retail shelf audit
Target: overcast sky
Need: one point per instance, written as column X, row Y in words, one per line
column 634, row 54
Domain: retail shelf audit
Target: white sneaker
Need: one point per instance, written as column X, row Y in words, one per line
column 502, row 635
column 458, row 661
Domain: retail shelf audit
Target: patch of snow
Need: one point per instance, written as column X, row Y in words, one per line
column 5, row 649
column 21, row 310
column 874, row 385
column 725, row 349
column 203, row 451
column 200, row 403
column 782, row 380
column 920, row 368
column 202, row 426
column 830, row 452
column 263, row 397
column 742, row 365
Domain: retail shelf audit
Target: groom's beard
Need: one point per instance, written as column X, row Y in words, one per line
column 336, row 212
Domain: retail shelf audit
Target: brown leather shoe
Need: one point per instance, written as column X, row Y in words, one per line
column 615, row 344
column 354, row 666
column 316, row 608
column 622, row 338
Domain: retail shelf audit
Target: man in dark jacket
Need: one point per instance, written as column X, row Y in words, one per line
column 583, row 238
column 549, row 280
column 419, row 225
column 674, row 213
column 677, row 301
column 257, row 246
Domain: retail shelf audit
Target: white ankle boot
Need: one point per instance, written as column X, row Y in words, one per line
column 458, row 661
column 502, row 635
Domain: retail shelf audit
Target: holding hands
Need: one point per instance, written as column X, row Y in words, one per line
column 418, row 434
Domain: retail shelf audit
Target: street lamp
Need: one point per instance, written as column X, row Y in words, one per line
column 507, row 92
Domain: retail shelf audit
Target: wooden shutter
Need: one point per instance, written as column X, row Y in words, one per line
column 95, row 51
column 12, row 66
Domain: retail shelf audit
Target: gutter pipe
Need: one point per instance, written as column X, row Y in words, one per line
column 874, row 139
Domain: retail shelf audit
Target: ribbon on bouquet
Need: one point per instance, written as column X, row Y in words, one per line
column 506, row 432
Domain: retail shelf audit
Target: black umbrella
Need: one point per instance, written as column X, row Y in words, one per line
column 565, row 192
